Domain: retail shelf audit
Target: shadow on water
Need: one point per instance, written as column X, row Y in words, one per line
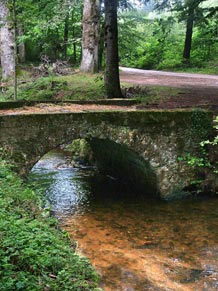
column 135, row 244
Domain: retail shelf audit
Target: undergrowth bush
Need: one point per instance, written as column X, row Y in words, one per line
column 56, row 88
column 44, row 88
column 34, row 254
column 206, row 164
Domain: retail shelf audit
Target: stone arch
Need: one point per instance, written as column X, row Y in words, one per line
column 114, row 158
column 140, row 174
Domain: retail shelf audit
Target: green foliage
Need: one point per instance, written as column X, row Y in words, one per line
column 145, row 41
column 34, row 254
column 152, row 43
column 131, row 35
column 157, row 43
column 211, row 164
column 44, row 23
column 204, row 163
column 41, row 89
column 83, row 87
column 205, row 43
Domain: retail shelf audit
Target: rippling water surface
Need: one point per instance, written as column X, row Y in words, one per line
column 135, row 244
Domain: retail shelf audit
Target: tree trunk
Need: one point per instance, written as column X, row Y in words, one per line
column 66, row 35
column 101, row 47
column 7, row 41
column 74, row 40
column 112, row 79
column 21, row 45
column 74, row 47
column 90, row 37
column 188, row 36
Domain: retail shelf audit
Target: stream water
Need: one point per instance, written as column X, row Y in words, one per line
column 135, row 244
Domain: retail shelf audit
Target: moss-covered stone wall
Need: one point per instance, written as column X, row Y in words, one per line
column 159, row 137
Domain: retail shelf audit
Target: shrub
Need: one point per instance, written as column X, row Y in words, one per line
column 206, row 164
column 34, row 254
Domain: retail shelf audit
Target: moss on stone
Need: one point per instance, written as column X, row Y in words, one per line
column 201, row 124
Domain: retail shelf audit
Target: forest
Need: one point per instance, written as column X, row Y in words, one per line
column 48, row 36
column 85, row 151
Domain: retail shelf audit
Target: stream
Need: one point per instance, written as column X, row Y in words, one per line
column 134, row 243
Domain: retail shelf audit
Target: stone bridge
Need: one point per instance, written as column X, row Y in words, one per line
column 157, row 137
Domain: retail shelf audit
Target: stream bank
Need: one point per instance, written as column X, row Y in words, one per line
column 34, row 253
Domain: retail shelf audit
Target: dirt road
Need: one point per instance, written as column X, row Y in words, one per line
column 191, row 90
column 171, row 79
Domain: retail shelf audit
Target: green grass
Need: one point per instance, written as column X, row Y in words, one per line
column 77, row 86
column 84, row 86
column 35, row 255
column 209, row 68
column 207, row 71
column 148, row 95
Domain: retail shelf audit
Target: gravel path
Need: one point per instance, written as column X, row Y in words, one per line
column 159, row 78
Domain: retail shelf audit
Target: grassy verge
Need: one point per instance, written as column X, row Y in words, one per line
column 34, row 254
column 77, row 86
column 210, row 70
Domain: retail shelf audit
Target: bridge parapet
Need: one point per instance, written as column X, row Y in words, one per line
column 160, row 137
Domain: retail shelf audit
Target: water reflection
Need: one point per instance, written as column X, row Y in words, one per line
column 65, row 188
column 135, row 244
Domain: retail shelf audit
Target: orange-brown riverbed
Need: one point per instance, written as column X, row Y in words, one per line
column 147, row 246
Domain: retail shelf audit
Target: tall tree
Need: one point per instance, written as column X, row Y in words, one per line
column 191, row 12
column 66, row 36
column 112, row 79
column 21, row 44
column 90, row 37
column 7, row 41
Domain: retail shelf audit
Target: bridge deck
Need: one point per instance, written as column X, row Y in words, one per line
column 45, row 108
column 23, row 107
